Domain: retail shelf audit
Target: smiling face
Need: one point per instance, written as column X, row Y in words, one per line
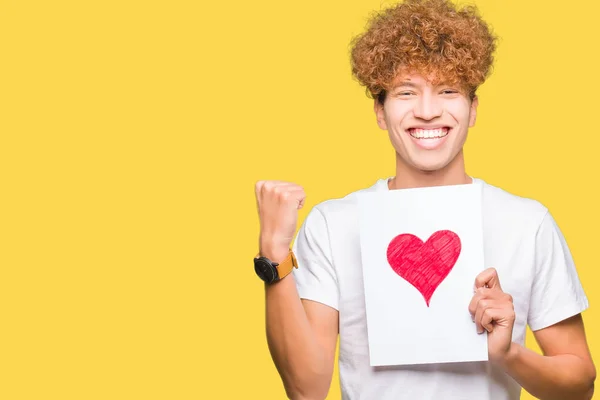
column 427, row 123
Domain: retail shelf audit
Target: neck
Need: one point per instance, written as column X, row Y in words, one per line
column 410, row 177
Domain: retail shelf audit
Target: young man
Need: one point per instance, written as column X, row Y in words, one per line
column 422, row 62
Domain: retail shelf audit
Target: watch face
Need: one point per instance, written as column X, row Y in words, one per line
column 265, row 270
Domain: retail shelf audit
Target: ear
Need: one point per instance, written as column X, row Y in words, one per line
column 473, row 112
column 380, row 114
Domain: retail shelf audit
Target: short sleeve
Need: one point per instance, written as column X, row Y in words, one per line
column 315, row 276
column 557, row 293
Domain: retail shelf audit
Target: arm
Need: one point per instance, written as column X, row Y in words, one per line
column 564, row 371
column 301, row 334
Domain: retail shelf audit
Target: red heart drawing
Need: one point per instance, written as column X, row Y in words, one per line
column 424, row 265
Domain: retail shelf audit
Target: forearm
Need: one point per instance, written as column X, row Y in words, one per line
column 300, row 360
column 561, row 377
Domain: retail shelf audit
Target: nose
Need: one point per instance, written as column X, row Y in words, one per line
column 427, row 107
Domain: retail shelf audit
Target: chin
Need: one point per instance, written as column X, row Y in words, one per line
column 430, row 166
column 432, row 161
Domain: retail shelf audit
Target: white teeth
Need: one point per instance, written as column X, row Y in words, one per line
column 419, row 133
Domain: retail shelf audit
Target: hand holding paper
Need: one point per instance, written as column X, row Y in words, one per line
column 492, row 310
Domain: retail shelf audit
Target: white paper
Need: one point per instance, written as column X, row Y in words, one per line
column 402, row 328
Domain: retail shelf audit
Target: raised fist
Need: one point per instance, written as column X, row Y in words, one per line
column 278, row 204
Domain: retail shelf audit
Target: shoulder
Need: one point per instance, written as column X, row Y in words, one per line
column 502, row 206
column 347, row 204
column 330, row 221
column 338, row 213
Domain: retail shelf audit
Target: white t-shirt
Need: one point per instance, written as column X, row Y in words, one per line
column 521, row 240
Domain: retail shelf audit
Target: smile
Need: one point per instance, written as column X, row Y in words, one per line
column 437, row 133
column 429, row 139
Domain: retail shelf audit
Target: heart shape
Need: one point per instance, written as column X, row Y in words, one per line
column 424, row 265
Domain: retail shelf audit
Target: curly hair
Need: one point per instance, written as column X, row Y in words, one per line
column 432, row 38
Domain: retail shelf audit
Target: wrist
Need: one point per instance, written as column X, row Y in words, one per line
column 275, row 253
column 511, row 356
column 273, row 245
column 274, row 264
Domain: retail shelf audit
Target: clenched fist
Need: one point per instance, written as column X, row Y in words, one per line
column 278, row 204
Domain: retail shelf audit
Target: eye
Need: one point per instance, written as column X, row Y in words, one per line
column 449, row 91
column 404, row 94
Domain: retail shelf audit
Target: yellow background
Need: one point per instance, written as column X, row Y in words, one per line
column 132, row 133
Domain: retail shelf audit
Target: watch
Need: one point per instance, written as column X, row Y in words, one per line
column 270, row 271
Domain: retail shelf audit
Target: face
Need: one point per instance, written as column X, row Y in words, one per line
column 427, row 124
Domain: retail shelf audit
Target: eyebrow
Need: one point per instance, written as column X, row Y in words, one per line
column 405, row 83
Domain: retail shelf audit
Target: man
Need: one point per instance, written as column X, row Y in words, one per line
column 422, row 62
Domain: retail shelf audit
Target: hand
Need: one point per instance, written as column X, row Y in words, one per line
column 492, row 310
column 278, row 204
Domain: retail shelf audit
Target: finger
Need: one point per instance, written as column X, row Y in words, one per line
column 480, row 293
column 278, row 192
column 482, row 307
column 264, row 187
column 297, row 198
column 292, row 197
column 270, row 186
column 282, row 187
column 258, row 188
column 490, row 315
column 301, row 202
column 487, row 293
column 488, row 278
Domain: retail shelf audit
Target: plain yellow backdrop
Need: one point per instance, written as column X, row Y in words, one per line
column 131, row 136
